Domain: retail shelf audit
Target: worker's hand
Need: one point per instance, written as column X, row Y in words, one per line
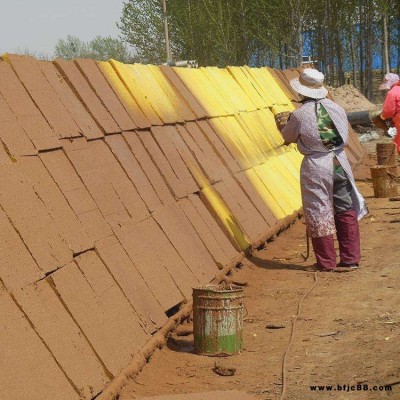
column 374, row 113
column 281, row 119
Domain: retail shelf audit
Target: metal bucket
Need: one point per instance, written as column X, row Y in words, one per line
column 218, row 320
column 386, row 153
column 384, row 180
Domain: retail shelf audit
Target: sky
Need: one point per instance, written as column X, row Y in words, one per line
column 36, row 25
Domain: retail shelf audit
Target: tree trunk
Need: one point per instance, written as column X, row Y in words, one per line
column 386, row 60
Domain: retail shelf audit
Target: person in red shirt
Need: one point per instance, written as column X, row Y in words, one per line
column 391, row 104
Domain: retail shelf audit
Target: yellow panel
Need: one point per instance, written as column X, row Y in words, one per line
column 242, row 79
column 154, row 93
column 264, row 192
column 230, row 223
column 135, row 90
column 203, row 90
column 229, row 89
column 123, row 94
column 173, row 95
column 246, row 149
column 268, row 86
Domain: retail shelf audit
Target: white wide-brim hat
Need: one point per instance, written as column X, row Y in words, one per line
column 310, row 84
column 389, row 80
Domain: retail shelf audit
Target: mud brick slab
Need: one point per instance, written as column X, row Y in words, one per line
column 208, row 128
column 186, row 241
column 213, row 226
column 236, row 140
column 135, row 90
column 132, row 283
column 216, row 251
column 63, row 338
column 148, row 166
column 17, row 267
column 12, row 134
column 31, row 219
column 28, row 370
column 76, row 194
column 179, row 104
column 242, row 208
column 85, row 93
column 157, row 97
column 205, row 154
column 172, row 166
column 123, row 153
column 87, row 125
column 26, row 112
column 44, row 96
column 259, row 203
column 67, row 222
column 101, row 310
column 113, row 192
column 192, row 169
column 104, row 91
column 180, row 87
column 123, row 95
column 143, row 242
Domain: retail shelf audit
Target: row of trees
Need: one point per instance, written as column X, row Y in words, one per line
column 347, row 36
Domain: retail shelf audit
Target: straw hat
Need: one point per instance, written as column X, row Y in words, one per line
column 310, row 84
column 388, row 81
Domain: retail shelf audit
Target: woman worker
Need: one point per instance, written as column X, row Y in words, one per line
column 331, row 200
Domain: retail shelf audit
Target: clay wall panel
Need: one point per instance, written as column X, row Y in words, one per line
column 28, row 371
column 44, row 96
column 135, row 288
column 82, row 89
column 186, row 241
column 76, row 194
column 27, row 114
column 147, row 246
column 125, row 157
column 87, row 125
column 63, row 337
column 104, row 91
column 101, row 310
column 32, row 220
column 148, row 166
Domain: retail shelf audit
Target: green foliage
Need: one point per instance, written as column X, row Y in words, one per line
column 100, row 48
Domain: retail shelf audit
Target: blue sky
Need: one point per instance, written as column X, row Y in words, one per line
column 36, row 25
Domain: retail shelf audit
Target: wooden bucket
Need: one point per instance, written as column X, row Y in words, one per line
column 384, row 180
column 386, row 153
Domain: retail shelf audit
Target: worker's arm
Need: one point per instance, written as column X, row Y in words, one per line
column 389, row 106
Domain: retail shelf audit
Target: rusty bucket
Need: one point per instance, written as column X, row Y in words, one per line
column 384, row 180
column 218, row 320
column 386, row 153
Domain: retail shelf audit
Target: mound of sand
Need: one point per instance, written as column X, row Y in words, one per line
column 351, row 99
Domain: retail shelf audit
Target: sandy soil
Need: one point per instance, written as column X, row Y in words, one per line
column 348, row 332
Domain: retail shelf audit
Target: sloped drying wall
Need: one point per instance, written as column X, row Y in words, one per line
column 122, row 187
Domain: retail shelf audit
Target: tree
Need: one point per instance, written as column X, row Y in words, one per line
column 100, row 48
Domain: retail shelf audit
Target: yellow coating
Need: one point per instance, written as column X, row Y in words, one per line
column 174, row 97
column 135, row 91
column 155, row 94
column 204, row 92
column 117, row 85
column 229, row 89
column 244, row 82
column 242, row 102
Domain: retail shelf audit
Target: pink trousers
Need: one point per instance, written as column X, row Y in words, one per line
column 348, row 236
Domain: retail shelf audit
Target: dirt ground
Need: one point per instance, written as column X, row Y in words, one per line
column 348, row 331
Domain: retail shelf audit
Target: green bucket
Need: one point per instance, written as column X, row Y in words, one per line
column 218, row 320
